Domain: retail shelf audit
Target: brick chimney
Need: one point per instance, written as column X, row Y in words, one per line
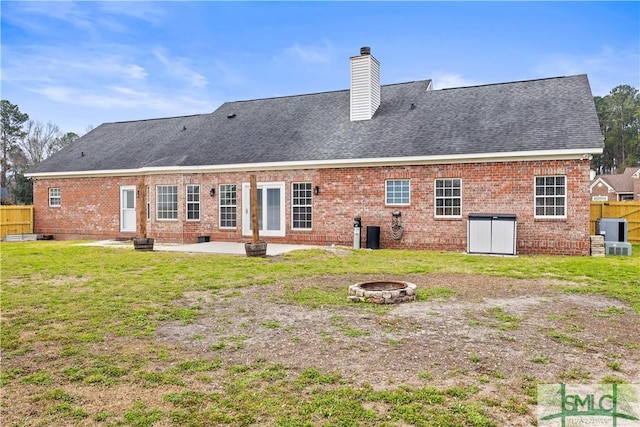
column 365, row 85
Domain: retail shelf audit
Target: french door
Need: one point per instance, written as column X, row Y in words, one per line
column 271, row 208
column 128, row 209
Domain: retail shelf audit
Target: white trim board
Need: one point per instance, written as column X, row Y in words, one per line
column 573, row 154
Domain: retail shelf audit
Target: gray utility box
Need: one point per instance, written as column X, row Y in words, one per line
column 491, row 234
column 613, row 229
column 617, row 248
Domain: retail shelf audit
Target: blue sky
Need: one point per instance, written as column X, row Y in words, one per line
column 80, row 64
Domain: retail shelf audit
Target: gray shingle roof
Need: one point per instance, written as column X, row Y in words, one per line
column 547, row 114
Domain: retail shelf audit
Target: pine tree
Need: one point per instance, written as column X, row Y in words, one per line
column 11, row 123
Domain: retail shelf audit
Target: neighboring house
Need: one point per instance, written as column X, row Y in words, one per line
column 616, row 187
column 323, row 159
column 4, row 193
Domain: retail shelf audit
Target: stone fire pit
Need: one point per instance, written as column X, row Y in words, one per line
column 384, row 292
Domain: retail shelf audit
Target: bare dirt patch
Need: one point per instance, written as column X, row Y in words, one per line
column 500, row 335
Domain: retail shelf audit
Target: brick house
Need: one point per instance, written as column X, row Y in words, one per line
column 616, row 187
column 322, row 159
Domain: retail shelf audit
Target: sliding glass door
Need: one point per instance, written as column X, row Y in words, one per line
column 271, row 208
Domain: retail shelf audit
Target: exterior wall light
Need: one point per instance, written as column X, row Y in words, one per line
column 212, row 192
column 316, row 190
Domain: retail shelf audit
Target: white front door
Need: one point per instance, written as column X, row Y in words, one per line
column 128, row 209
column 271, row 218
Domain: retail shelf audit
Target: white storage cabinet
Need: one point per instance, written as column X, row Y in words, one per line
column 491, row 234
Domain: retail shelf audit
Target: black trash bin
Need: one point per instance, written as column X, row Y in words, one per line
column 373, row 237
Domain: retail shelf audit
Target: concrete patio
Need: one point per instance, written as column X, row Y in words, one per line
column 229, row 248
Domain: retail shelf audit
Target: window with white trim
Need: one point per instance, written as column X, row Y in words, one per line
column 551, row 196
column 397, row 192
column 167, row 202
column 228, row 204
column 301, row 205
column 448, row 197
column 193, row 203
column 54, row 197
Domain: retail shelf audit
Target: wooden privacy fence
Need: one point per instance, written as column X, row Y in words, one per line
column 16, row 220
column 628, row 210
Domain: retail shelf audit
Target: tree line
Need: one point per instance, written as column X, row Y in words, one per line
column 25, row 142
column 619, row 116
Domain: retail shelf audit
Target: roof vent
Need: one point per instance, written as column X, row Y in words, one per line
column 231, row 116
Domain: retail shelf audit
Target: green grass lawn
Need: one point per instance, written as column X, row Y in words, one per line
column 60, row 301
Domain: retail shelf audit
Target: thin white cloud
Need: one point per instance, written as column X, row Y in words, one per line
column 109, row 65
column 93, row 18
column 150, row 12
column 443, row 80
column 606, row 68
column 560, row 65
column 119, row 97
column 136, row 71
column 65, row 11
column 310, row 54
column 104, row 81
column 178, row 67
column 49, row 64
column 228, row 75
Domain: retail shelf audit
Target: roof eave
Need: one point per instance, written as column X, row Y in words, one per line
column 601, row 180
column 569, row 154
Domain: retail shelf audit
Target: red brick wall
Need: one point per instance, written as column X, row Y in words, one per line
column 602, row 190
column 90, row 206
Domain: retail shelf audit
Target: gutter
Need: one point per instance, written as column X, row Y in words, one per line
column 573, row 154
